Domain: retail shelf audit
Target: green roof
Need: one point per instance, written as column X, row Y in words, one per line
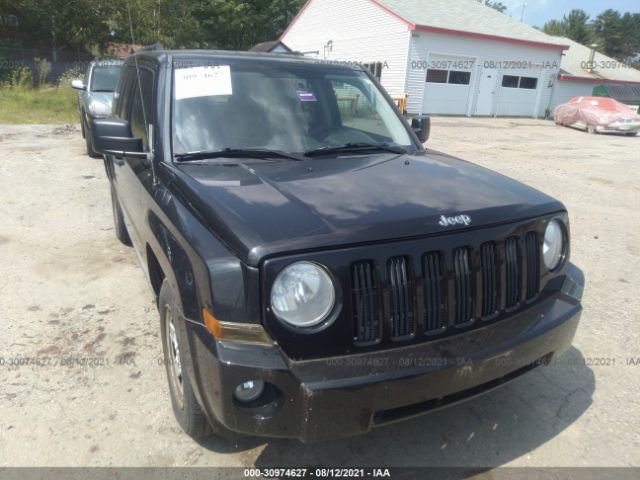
column 629, row 94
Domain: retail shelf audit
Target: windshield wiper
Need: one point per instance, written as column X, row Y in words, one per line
column 354, row 147
column 235, row 153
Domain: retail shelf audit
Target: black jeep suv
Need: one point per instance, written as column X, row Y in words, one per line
column 317, row 271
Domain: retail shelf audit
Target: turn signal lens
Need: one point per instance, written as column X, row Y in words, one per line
column 235, row 332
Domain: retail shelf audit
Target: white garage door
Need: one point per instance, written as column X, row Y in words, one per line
column 447, row 84
column 518, row 92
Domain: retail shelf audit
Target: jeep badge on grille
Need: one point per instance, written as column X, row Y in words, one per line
column 457, row 220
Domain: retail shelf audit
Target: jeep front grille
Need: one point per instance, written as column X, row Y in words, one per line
column 513, row 271
column 401, row 298
column 489, row 278
column 533, row 264
column 433, row 292
column 366, row 312
column 462, row 285
column 448, row 290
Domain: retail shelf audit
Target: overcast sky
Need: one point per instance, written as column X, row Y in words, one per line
column 540, row 11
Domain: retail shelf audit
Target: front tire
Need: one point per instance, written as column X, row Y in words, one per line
column 186, row 408
column 631, row 134
column 89, row 142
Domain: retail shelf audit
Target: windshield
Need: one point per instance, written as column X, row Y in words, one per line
column 290, row 107
column 104, row 79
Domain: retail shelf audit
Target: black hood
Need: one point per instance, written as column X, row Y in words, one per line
column 261, row 208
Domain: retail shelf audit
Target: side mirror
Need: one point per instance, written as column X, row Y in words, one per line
column 112, row 136
column 78, row 85
column 422, row 127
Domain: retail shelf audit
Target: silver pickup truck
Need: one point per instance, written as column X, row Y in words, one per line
column 95, row 94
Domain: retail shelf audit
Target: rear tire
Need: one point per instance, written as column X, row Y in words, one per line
column 186, row 408
column 118, row 219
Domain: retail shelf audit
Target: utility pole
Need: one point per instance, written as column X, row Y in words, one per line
column 524, row 7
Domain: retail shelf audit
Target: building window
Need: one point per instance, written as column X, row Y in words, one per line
column 459, row 78
column 510, row 81
column 528, row 82
column 454, row 77
column 437, row 76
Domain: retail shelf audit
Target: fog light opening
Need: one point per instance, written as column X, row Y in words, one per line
column 261, row 400
column 249, row 391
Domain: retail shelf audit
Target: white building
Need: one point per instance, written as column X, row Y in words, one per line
column 455, row 57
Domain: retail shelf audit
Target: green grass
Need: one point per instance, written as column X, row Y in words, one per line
column 49, row 104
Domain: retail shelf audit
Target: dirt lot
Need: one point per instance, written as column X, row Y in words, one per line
column 69, row 289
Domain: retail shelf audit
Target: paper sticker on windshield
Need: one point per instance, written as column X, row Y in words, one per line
column 306, row 96
column 203, row 82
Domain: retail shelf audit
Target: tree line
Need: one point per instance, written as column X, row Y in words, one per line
column 616, row 35
column 91, row 25
column 57, row 25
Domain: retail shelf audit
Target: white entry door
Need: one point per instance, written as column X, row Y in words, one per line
column 487, row 87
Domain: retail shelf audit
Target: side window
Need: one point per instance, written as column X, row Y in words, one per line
column 142, row 106
column 125, row 89
column 119, row 92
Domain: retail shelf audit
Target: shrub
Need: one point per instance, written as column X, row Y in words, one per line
column 68, row 76
column 21, row 77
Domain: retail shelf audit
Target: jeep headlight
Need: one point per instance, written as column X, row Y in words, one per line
column 303, row 295
column 553, row 248
column 99, row 109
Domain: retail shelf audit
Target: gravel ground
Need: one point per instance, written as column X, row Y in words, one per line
column 68, row 289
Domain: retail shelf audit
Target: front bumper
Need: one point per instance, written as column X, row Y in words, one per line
column 619, row 127
column 340, row 396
